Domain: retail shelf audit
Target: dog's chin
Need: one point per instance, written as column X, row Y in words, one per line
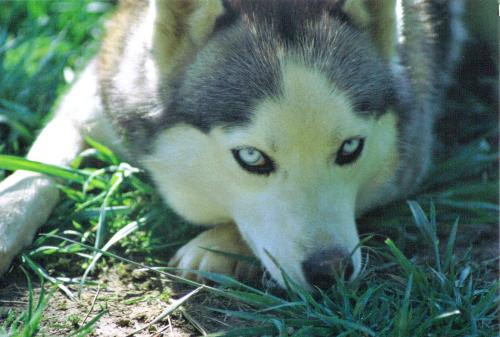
column 286, row 266
column 279, row 258
column 285, row 275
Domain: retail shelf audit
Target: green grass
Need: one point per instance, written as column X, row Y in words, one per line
column 426, row 280
column 28, row 321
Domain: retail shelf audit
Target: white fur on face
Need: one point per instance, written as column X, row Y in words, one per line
column 309, row 202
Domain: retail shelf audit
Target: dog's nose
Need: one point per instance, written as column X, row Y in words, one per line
column 322, row 266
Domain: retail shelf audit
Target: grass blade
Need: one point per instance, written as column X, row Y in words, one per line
column 109, row 156
column 42, row 273
column 402, row 324
column 450, row 246
column 13, row 163
column 122, row 233
column 170, row 309
column 242, row 332
column 406, row 264
column 89, row 326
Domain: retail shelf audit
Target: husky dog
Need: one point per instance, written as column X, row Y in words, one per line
column 279, row 121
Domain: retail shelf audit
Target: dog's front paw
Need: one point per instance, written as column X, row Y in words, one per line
column 207, row 251
column 26, row 201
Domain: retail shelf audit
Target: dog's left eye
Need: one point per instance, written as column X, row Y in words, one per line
column 253, row 160
column 350, row 151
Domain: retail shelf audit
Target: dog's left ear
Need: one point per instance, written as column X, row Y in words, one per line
column 378, row 17
column 181, row 26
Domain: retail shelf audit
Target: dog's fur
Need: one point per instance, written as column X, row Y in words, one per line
column 181, row 86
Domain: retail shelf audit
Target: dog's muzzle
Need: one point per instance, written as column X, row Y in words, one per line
column 324, row 266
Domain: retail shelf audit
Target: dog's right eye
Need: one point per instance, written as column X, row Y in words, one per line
column 350, row 151
column 253, row 160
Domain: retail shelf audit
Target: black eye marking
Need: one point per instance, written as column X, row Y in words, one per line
column 350, row 150
column 253, row 160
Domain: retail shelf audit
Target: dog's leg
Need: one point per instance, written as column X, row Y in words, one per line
column 26, row 198
column 199, row 254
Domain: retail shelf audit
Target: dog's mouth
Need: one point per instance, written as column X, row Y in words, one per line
column 286, row 258
column 322, row 269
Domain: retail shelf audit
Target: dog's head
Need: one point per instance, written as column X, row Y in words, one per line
column 282, row 123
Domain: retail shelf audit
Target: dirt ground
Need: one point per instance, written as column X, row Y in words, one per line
column 132, row 301
column 134, row 298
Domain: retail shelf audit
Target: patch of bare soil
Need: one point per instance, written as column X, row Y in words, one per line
column 483, row 242
column 479, row 241
column 131, row 299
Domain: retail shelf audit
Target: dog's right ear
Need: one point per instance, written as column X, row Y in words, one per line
column 378, row 17
column 180, row 26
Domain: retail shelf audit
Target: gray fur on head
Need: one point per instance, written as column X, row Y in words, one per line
column 241, row 65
